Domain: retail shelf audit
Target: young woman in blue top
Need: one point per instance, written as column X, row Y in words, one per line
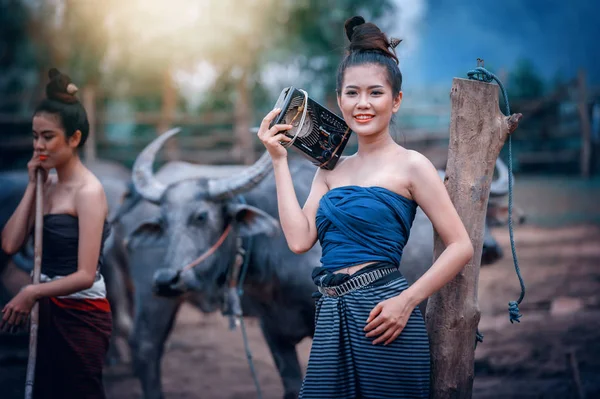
column 370, row 339
column 74, row 315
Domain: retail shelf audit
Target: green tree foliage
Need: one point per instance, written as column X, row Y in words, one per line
column 312, row 37
column 525, row 82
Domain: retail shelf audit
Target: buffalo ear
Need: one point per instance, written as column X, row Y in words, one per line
column 147, row 234
column 250, row 221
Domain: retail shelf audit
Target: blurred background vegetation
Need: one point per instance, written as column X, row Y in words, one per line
column 216, row 67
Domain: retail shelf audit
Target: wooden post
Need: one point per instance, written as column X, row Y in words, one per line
column 167, row 113
column 88, row 96
column 478, row 131
column 586, row 129
column 243, row 148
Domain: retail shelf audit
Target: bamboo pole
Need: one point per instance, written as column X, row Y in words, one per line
column 37, row 266
column 478, row 131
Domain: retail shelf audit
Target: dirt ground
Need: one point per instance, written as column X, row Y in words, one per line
column 561, row 314
column 556, row 344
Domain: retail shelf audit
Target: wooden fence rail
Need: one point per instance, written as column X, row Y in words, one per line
column 550, row 138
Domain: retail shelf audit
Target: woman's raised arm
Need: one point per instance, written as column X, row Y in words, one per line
column 298, row 224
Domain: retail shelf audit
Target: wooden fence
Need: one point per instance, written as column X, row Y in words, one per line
column 555, row 130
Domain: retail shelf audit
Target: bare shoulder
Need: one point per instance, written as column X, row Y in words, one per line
column 420, row 169
column 418, row 163
column 342, row 168
column 90, row 195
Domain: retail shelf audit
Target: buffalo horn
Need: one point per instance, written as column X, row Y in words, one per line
column 142, row 175
column 229, row 187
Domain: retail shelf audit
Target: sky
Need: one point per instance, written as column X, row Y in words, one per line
column 445, row 37
column 442, row 39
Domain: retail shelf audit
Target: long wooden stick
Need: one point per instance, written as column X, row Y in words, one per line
column 37, row 266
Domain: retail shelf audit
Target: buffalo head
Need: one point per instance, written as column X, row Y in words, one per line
column 199, row 215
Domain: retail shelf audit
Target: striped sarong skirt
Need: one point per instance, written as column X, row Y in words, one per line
column 344, row 363
column 73, row 339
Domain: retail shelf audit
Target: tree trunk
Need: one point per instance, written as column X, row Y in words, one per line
column 478, row 131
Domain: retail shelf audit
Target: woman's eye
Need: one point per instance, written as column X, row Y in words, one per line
column 377, row 93
column 351, row 93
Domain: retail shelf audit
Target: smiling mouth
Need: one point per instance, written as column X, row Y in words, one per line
column 363, row 118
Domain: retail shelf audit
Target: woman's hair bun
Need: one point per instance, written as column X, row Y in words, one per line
column 60, row 88
column 352, row 23
column 53, row 73
column 367, row 37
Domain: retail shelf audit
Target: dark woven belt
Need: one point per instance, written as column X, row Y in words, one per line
column 355, row 283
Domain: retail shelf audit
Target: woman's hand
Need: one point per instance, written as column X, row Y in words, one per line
column 33, row 165
column 387, row 320
column 272, row 138
column 17, row 310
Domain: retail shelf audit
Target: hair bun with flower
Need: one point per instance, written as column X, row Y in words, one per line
column 61, row 88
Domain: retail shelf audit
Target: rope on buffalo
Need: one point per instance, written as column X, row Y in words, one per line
column 240, row 292
column 481, row 74
column 235, row 296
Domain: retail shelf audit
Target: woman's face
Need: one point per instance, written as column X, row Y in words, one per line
column 49, row 140
column 366, row 99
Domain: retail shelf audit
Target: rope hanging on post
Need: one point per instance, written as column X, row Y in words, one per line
column 482, row 74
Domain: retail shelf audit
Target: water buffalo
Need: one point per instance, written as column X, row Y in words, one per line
column 185, row 217
column 154, row 315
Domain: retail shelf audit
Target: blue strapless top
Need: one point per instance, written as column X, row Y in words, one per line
column 357, row 224
column 60, row 244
